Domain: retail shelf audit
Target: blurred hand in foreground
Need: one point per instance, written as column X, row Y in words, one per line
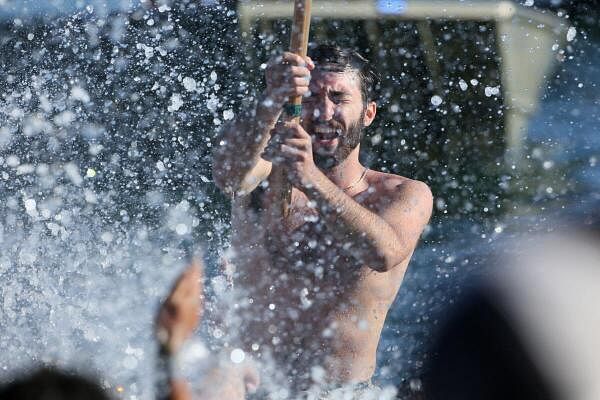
column 180, row 313
column 177, row 319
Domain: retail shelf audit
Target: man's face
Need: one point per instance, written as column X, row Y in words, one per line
column 333, row 115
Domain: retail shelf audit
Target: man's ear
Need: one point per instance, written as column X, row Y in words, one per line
column 370, row 112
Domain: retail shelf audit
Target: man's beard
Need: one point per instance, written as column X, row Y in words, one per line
column 348, row 141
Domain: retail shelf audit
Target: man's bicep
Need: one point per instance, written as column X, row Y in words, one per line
column 409, row 212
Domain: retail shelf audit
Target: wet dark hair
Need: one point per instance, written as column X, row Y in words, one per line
column 52, row 384
column 333, row 58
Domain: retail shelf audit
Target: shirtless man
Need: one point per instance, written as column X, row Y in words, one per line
column 318, row 284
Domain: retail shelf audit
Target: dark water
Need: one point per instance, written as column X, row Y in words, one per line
column 563, row 139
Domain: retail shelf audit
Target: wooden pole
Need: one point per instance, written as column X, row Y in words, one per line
column 293, row 110
column 300, row 31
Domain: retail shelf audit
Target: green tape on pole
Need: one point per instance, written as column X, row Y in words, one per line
column 293, row 110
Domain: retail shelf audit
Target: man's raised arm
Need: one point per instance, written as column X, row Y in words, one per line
column 237, row 163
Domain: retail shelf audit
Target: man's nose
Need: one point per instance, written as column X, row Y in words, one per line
column 325, row 109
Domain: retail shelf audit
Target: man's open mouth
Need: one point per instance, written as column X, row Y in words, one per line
column 326, row 133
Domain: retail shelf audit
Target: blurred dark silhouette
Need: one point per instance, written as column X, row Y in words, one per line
column 529, row 330
column 479, row 356
column 52, row 384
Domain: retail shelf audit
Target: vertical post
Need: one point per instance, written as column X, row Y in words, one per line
column 299, row 45
column 279, row 182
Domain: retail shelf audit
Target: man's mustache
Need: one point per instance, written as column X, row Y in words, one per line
column 333, row 125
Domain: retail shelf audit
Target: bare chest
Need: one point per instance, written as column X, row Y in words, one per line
column 301, row 252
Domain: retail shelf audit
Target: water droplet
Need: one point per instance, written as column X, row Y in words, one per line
column 237, row 356
column 436, row 100
column 571, row 33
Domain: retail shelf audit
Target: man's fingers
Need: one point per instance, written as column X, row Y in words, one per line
column 295, row 130
column 289, row 78
column 288, row 75
column 271, row 152
column 268, row 152
column 290, row 134
column 309, row 63
column 277, row 159
column 299, row 143
column 299, row 72
column 290, row 90
column 289, row 64
column 287, row 149
column 286, row 72
column 287, row 130
column 293, row 59
column 291, row 153
column 301, row 81
column 283, row 155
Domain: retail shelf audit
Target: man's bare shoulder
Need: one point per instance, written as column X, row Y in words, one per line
column 391, row 187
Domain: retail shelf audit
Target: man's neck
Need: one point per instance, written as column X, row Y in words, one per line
column 347, row 172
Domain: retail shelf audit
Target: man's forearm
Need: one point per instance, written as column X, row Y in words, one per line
column 367, row 236
column 241, row 143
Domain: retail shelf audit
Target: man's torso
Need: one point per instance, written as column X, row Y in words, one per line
column 309, row 302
